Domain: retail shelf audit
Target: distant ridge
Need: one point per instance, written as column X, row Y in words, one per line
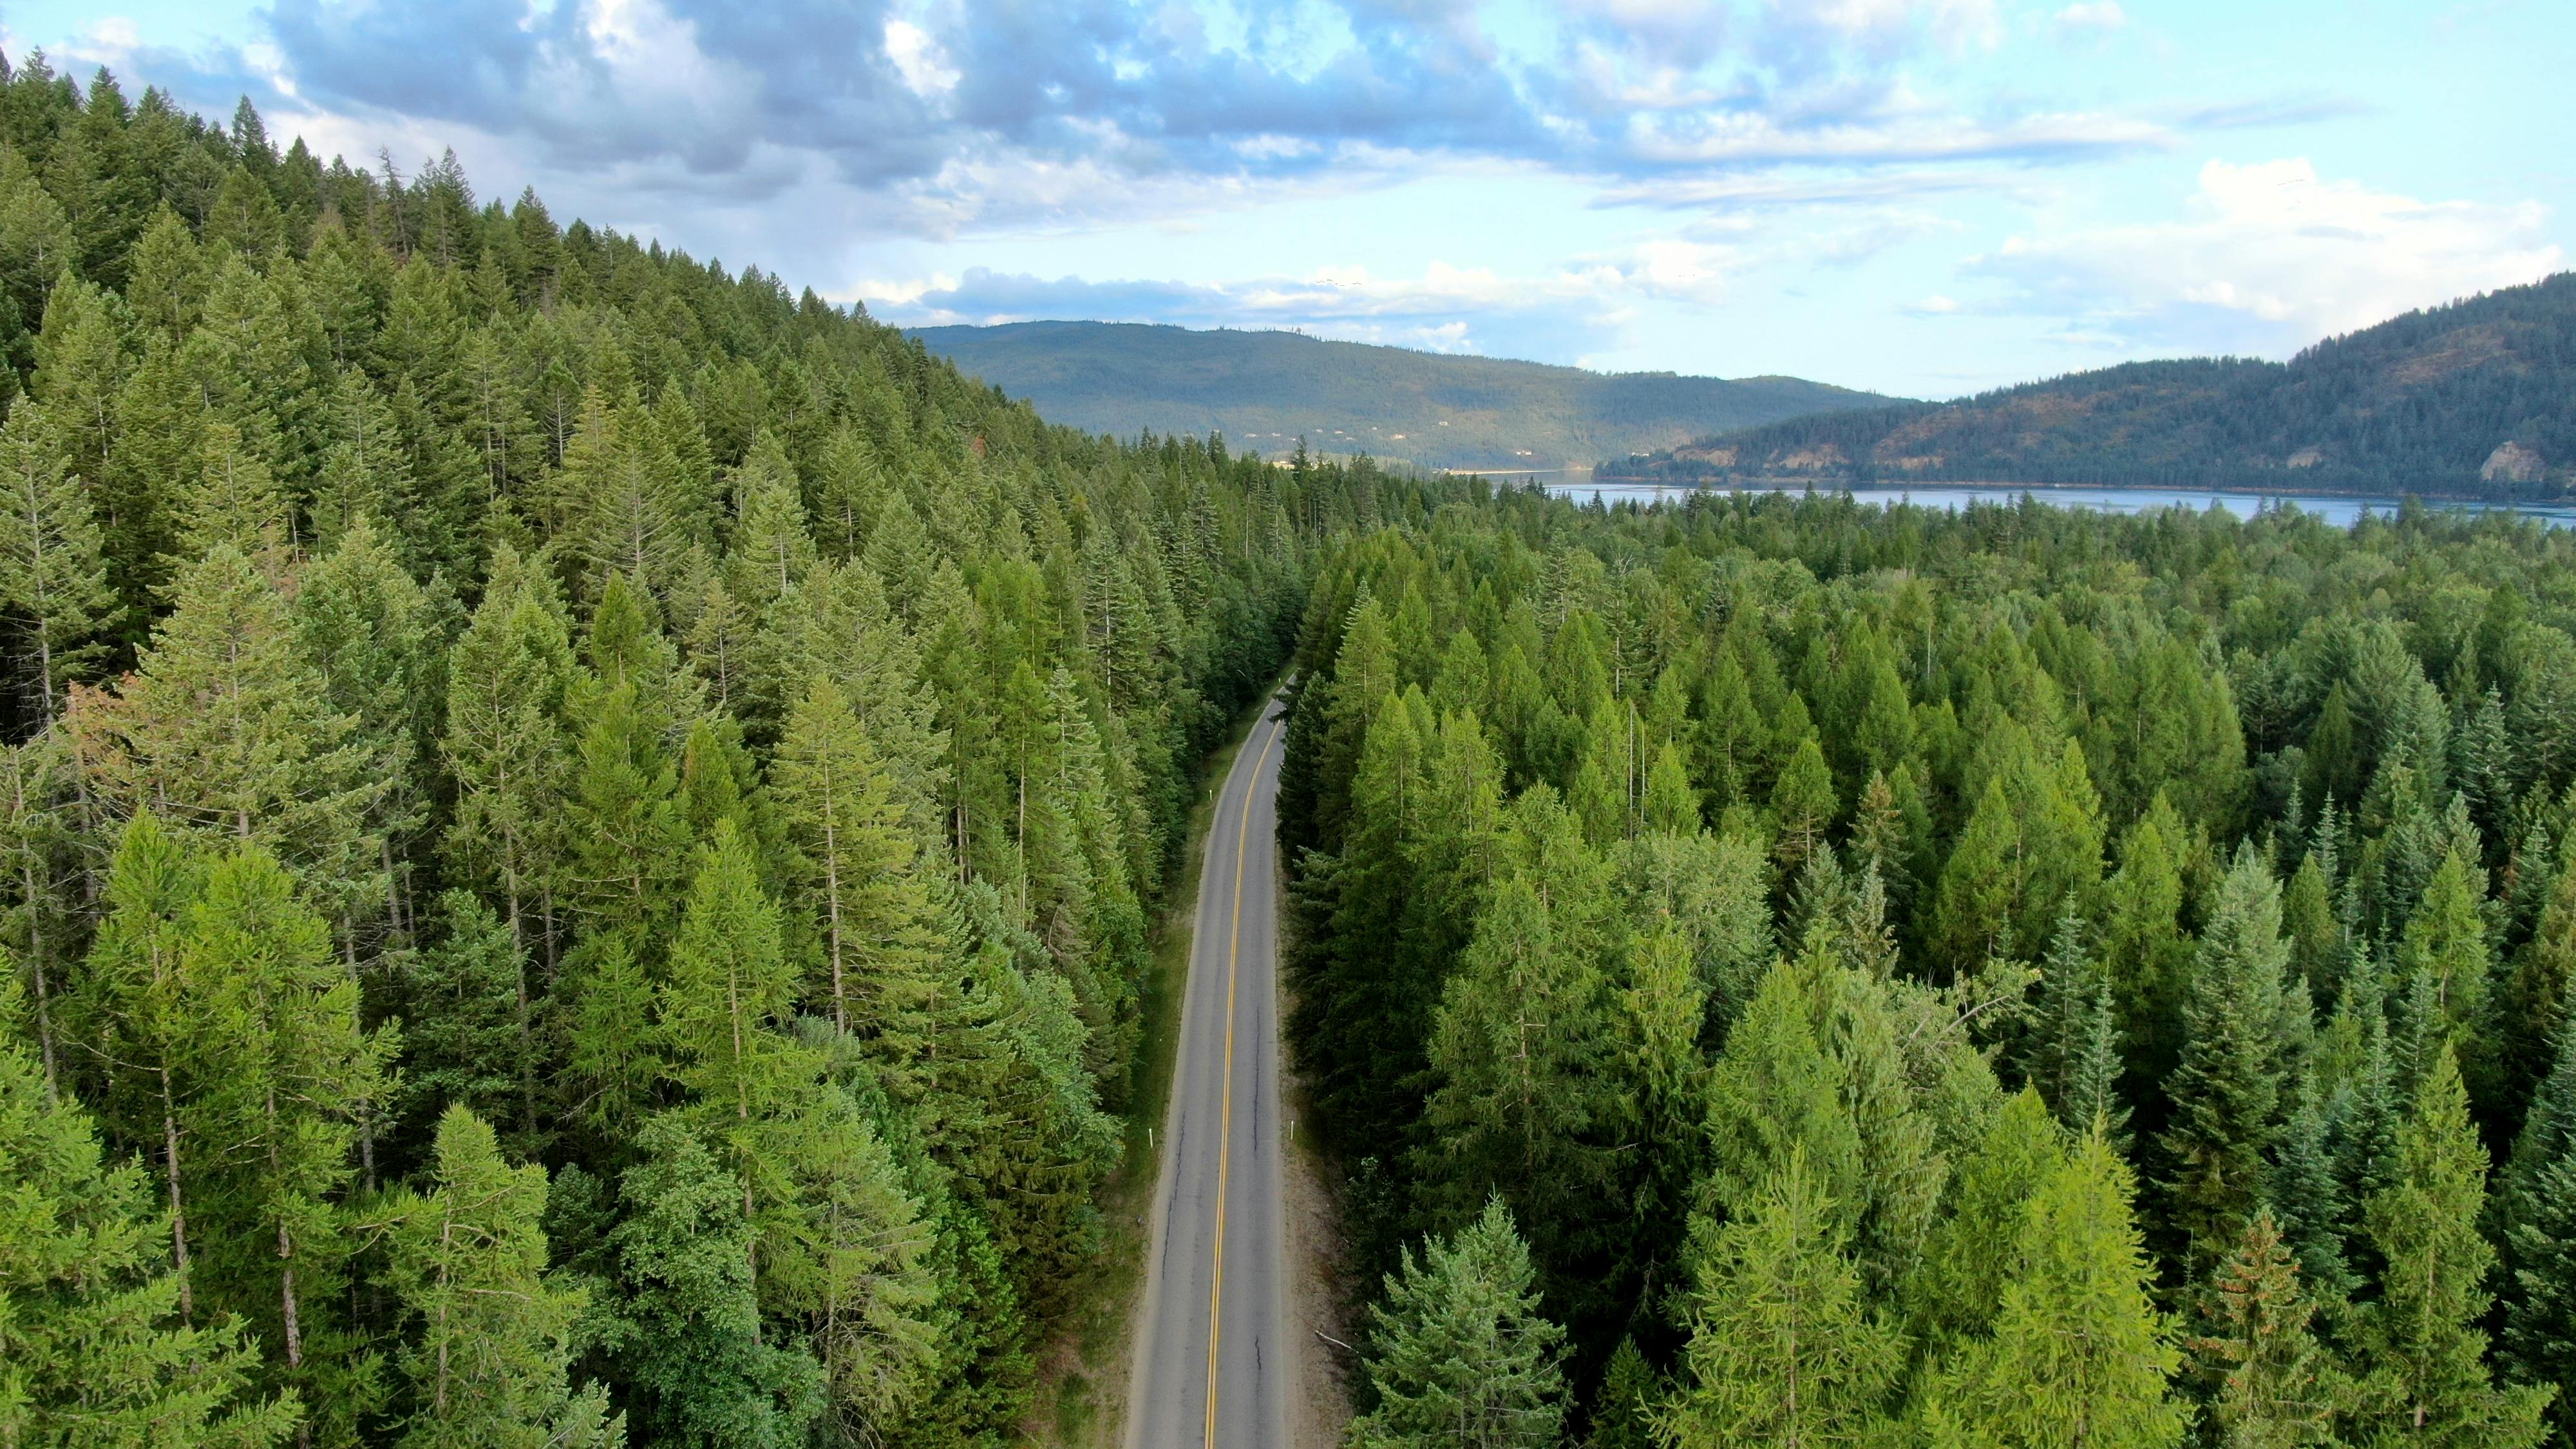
column 2473, row 399
column 1263, row 390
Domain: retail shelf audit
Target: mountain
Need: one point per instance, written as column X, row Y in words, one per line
column 1264, row 390
column 2477, row 398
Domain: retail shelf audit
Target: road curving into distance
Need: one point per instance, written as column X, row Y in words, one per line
column 1213, row 1363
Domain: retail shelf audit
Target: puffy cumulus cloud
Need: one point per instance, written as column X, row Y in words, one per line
column 981, row 113
column 2268, row 257
column 1560, row 316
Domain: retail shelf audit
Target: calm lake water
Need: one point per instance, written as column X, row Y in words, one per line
column 2335, row 509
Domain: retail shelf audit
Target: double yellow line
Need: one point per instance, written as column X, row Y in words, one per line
column 1225, row 1113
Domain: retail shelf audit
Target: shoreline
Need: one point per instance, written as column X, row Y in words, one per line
column 1931, row 485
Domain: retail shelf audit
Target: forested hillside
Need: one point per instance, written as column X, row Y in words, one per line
column 1267, row 390
column 2476, row 399
column 580, row 828
column 1776, row 972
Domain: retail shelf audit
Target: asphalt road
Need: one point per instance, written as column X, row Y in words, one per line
column 1213, row 1364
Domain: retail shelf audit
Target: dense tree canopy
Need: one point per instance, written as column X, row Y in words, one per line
column 2006, row 977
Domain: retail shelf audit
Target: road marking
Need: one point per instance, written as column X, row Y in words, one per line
column 1225, row 1111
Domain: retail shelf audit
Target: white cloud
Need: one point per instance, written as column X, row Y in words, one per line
column 919, row 60
column 2089, row 17
column 2270, row 257
column 1549, row 314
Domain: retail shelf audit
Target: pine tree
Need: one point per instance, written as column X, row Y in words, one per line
column 622, row 504
column 2445, row 946
column 463, row 1014
column 506, row 677
column 859, row 1266
column 1960, row 1289
column 684, row 1332
column 880, row 931
column 1527, row 1103
column 2226, row 1094
column 225, row 728
column 2072, row 1052
column 232, row 499
column 93, row 1346
column 727, row 996
column 771, row 547
column 2080, row 1355
column 2308, row 1194
column 2537, row 1208
column 1803, row 804
column 2274, row 1386
column 53, row 575
column 1458, row 1353
column 2532, row 1015
column 1671, row 805
column 494, row 1337
column 2144, row 948
column 283, row 1075
column 628, row 839
column 2033, row 842
column 2425, row 1376
column 1624, row 1409
column 1783, row 1348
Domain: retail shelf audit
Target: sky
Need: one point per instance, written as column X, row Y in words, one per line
column 1926, row 198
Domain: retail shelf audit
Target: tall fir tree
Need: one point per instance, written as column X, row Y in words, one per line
column 93, row 1346
column 1458, row 1353
column 2080, row 1355
column 2226, row 1094
column 492, row 1340
column 2425, row 1378
column 1784, row 1348
column 53, row 572
column 2272, row 1385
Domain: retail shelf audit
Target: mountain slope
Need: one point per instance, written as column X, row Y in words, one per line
column 1264, row 390
column 2474, row 398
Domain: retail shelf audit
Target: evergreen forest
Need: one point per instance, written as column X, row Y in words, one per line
column 1780, row 972
column 582, row 833
column 580, row 829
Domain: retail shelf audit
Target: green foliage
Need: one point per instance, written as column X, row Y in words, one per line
column 93, row 1347
column 2274, row 1388
column 2426, row 1380
column 672, row 699
column 2080, row 1356
column 1783, row 1348
column 2227, row 1093
column 1458, row 1354
column 487, row 1365
column 681, row 1324
column 1970, row 707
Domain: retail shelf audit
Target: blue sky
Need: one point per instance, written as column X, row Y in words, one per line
column 1925, row 198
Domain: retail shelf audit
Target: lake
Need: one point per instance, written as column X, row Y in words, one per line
column 2337, row 509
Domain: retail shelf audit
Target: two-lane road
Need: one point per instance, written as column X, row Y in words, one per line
column 1213, row 1363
